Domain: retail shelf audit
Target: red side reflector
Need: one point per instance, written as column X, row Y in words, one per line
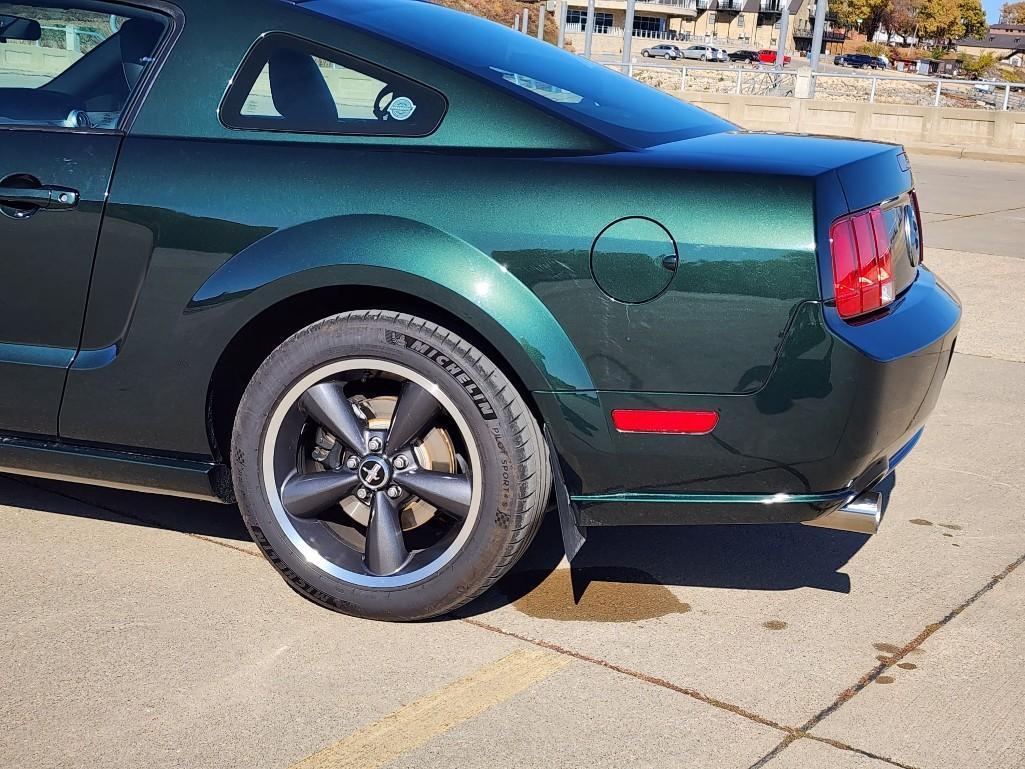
column 679, row 422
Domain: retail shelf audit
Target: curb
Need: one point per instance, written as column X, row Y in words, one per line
column 967, row 152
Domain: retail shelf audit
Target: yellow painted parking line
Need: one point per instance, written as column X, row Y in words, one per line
column 419, row 722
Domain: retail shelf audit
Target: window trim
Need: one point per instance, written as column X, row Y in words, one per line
column 176, row 22
column 236, row 79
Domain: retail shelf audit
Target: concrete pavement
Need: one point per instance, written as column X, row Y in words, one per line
column 148, row 632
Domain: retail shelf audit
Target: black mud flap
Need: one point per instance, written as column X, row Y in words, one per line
column 573, row 535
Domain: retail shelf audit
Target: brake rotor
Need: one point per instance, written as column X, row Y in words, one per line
column 434, row 452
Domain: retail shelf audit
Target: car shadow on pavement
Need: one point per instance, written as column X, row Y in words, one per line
column 208, row 519
column 624, row 573
column 621, row 574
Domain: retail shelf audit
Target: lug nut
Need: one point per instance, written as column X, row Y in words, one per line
column 400, row 463
column 394, row 492
column 375, row 444
column 361, row 493
column 352, row 463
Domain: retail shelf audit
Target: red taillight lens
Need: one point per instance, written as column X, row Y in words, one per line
column 862, row 264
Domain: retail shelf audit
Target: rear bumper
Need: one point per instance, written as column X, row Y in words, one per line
column 842, row 405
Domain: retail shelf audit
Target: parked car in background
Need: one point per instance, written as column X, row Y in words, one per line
column 745, row 56
column 858, row 61
column 768, row 56
column 704, row 53
column 308, row 277
column 671, row 52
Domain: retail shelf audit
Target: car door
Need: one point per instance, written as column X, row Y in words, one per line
column 66, row 77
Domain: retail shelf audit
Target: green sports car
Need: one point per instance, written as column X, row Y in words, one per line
column 391, row 276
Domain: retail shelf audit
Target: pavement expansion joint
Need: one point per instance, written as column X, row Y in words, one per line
column 792, row 734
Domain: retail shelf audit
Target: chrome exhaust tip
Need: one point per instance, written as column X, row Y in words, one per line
column 862, row 515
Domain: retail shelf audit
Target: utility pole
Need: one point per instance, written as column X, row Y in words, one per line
column 628, row 36
column 562, row 23
column 589, row 29
column 816, row 39
column 784, row 24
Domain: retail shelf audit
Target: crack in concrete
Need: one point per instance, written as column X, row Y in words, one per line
column 852, row 691
column 792, row 734
column 956, row 217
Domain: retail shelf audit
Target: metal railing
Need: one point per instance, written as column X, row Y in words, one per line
column 760, row 81
column 998, row 93
column 721, row 5
column 767, row 80
column 643, row 34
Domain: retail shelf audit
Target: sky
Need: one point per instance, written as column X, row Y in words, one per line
column 992, row 10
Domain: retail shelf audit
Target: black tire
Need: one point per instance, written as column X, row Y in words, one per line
column 514, row 473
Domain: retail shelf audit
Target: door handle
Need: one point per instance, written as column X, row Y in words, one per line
column 51, row 198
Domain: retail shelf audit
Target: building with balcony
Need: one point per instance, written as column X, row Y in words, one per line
column 746, row 23
column 736, row 23
column 654, row 20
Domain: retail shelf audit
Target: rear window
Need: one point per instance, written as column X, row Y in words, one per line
column 582, row 92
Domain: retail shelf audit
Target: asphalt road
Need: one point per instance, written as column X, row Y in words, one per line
column 147, row 632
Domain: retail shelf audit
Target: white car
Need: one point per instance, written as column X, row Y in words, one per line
column 704, row 53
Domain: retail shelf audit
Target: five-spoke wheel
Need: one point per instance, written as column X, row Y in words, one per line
column 381, row 458
column 386, row 467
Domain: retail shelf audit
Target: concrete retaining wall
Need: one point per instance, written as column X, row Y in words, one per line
column 904, row 124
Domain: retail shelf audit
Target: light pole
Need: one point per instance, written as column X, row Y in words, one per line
column 781, row 44
column 589, row 29
column 628, row 35
column 816, row 37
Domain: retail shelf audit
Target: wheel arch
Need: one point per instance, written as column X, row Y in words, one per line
column 295, row 277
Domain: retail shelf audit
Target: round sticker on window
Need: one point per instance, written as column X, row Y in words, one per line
column 401, row 108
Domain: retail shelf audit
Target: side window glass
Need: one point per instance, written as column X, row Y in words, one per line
column 290, row 84
column 62, row 67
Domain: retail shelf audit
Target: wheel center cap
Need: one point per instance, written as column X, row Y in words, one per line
column 374, row 473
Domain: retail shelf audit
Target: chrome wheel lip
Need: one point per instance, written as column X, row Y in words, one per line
column 273, row 492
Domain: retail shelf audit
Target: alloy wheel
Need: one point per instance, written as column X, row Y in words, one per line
column 370, row 471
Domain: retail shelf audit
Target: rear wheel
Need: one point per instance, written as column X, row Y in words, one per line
column 386, row 467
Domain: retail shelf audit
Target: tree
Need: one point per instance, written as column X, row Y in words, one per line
column 973, row 19
column 976, row 67
column 871, row 13
column 940, row 19
column 902, row 20
column 1013, row 13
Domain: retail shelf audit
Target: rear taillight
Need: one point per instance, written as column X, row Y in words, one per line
column 862, row 264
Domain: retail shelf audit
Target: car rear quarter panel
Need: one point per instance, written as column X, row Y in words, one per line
column 232, row 227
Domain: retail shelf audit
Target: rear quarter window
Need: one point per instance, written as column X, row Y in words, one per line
column 287, row 83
